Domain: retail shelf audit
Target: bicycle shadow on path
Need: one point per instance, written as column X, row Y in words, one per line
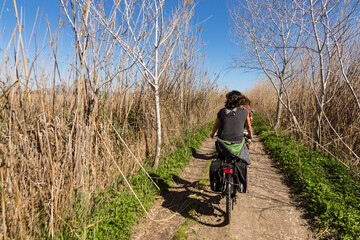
column 191, row 199
column 202, row 156
column 185, row 198
column 192, row 202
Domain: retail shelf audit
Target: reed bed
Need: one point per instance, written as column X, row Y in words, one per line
column 58, row 116
column 53, row 157
column 340, row 132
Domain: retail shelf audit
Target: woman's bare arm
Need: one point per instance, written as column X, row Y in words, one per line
column 215, row 127
column 248, row 127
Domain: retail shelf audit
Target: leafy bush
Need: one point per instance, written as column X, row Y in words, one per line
column 331, row 194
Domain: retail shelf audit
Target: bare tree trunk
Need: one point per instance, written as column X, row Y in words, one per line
column 319, row 114
column 278, row 109
column 156, row 90
column 158, row 128
column 322, row 44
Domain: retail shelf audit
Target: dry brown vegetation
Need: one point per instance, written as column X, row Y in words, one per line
column 57, row 119
column 340, row 129
column 309, row 54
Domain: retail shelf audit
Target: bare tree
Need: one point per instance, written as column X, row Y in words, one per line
column 327, row 30
column 345, row 39
column 271, row 32
column 66, row 133
column 145, row 35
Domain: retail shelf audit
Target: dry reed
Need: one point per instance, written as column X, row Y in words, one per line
column 340, row 127
column 52, row 159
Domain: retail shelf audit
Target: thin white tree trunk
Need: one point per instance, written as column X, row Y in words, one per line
column 156, row 92
column 278, row 109
column 158, row 128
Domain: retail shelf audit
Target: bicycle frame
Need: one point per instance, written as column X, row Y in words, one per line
column 229, row 191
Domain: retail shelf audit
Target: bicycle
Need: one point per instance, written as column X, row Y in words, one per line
column 228, row 185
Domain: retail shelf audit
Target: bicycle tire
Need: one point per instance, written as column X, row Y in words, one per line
column 228, row 198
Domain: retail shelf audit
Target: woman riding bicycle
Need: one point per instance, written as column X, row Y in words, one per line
column 231, row 120
column 230, row 144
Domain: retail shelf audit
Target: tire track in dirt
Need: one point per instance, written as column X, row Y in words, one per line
column 266, row 211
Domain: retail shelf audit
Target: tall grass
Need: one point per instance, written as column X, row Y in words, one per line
column 57, row 116
column 340, row 127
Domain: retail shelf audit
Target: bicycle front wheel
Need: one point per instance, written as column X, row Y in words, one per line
column 228, row 191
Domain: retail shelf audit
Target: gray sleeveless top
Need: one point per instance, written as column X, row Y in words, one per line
column 232, row 123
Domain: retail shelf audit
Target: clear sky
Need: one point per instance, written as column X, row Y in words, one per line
column 213, row 15
column 219, row 46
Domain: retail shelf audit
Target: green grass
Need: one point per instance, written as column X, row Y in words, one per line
column 116, row 209
column 331, row 194
column 205, row 176
column 182, row 232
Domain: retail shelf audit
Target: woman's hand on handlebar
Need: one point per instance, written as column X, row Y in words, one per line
column 248, row 136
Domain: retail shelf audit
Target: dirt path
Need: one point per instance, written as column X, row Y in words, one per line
column 266, row 211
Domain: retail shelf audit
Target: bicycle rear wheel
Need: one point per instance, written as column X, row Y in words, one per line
column 228, row 191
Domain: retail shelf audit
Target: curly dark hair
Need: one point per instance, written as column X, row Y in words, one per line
column 245, row 100
column 233, row 99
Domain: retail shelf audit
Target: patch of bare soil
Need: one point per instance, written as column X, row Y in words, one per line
column 266, row 211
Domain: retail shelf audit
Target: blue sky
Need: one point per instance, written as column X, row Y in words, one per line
column 219, row 47
column 213, row 15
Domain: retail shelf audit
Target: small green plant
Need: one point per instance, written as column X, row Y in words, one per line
column 331, row 194
column 181, row 233
column 205, row 179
